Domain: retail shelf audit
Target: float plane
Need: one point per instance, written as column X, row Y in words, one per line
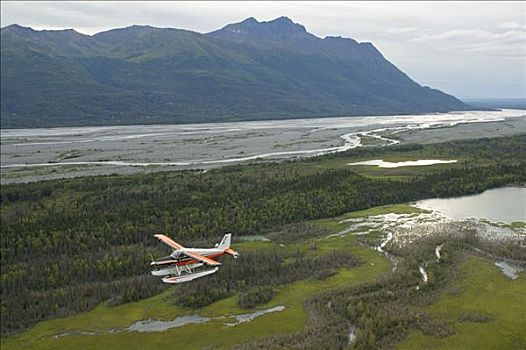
column 184, row 264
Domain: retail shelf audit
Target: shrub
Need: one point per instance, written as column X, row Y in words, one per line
column 256, row 296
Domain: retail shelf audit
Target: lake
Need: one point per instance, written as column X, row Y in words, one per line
column 506, row 204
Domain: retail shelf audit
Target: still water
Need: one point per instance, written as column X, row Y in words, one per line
column 506, row 204
column 383, row 164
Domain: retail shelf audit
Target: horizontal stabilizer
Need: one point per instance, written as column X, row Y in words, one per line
column 232, row 252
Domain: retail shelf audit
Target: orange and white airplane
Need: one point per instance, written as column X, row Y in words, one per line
column 180, row 266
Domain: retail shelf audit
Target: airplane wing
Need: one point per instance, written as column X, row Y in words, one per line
column 168, row 241
column 174, row 245
column 202, row 258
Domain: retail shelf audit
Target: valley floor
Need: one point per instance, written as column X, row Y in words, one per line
column 480, row 289
column 40, row 154
column 350, row 260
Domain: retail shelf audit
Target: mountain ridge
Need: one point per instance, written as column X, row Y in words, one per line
column 244, row 71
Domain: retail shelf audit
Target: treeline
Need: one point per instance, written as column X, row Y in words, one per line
column 295, row 232
column 510, row 149
column 68, row 244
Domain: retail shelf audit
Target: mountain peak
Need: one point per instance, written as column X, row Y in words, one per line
column 40, row 35
column 284, row 22
column 119, row 35
column 281, row 29
column 250, row 20
column 18, row 29
column 282, row 19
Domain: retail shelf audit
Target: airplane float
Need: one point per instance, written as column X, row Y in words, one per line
column 184, row 264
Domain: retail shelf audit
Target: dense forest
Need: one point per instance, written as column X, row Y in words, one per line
column 67, row 245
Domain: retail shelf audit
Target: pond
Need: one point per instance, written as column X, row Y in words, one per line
column 508, row 269
column 506, row 204
column 253, row 238
column 384, row 164
column 249, row 317
column 161, row 326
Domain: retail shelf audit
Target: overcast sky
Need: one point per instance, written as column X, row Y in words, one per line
column 468, row 49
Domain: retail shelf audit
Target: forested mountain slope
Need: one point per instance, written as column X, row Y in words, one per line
column 245, row 71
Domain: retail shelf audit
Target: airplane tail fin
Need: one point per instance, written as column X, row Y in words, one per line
column 225, row 245
column 225, row 242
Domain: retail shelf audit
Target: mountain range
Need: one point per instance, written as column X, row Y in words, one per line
column 245, row 71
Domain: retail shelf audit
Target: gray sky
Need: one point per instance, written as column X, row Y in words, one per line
column 468, row 49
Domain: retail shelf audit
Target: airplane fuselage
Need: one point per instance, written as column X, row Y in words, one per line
column 208, row 252
column 178, row 258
